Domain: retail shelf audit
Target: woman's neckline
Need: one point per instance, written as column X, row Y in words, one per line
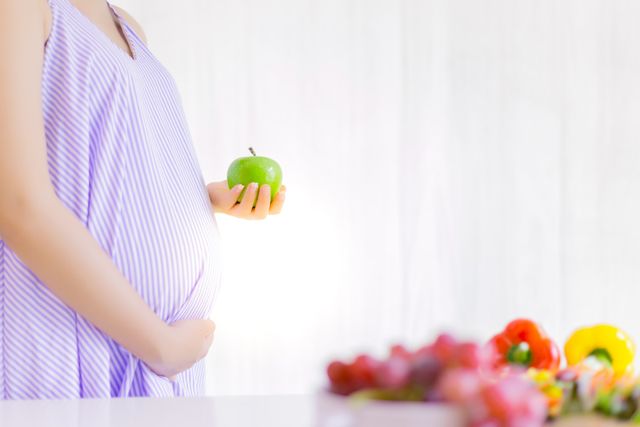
column 121, row 26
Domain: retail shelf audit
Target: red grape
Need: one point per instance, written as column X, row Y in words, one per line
column 473, row 356
column 468, row 355
column 460, row 385
column 445, row 349
column 427, row 350
column 425, row 371
column 401, row 352
column 337, row 372
column 393, row 373
column 341, row 378
column 363, row 371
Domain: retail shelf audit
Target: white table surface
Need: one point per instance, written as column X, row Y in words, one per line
column 267, row 411
column 263, row 411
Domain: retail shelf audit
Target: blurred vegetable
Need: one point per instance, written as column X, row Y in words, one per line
column 550, row 388
column 603, row 344
column 524, row 343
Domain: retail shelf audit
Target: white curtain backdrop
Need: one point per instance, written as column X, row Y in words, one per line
column 451, row 164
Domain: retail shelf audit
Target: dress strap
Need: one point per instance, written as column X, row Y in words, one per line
column 54, row 8
column 136, row 44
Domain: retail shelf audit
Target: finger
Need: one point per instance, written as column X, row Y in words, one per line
column 264, row 200
column 278, row 202
column 222, row 197
column 210, row 328
column 246, row 205
column 206, row 346
column 225, row 199
column 233, row 195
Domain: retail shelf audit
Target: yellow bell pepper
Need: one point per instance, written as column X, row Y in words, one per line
column 604, row 343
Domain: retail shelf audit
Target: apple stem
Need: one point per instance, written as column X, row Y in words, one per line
column 252, row 151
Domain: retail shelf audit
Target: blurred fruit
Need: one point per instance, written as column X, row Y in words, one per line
column 401, row 352
column 445, row 349
column 363, row 371
column 425, row 350
column 337, row 372
column 474, row 356
column 425, row 371
column 340, row 377
column 459, row 385
column 468, row 355
column 393, row 373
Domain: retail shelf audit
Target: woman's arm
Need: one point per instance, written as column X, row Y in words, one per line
column 46, row 236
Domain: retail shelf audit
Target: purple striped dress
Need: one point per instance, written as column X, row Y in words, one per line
column 121, row 159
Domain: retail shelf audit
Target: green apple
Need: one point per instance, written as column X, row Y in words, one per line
column 261, row 170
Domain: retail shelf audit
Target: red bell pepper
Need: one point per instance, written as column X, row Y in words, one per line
column 524, row 343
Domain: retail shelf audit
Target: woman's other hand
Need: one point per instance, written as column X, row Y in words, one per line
column 182, row 345
column 225, row 200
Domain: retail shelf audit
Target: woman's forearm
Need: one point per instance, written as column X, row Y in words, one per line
column 54, row 244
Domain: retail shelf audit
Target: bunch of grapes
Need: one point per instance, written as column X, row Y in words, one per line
column 444, row 371
column 417, row 371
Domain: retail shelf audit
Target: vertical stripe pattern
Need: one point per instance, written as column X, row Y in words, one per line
column 121, row 159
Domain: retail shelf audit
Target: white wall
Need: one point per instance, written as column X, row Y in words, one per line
column 451, row 164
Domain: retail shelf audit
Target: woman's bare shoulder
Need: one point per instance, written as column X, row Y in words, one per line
column 25, row 14
column 132, row 22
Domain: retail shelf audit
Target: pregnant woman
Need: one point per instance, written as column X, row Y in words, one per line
column 109, row 258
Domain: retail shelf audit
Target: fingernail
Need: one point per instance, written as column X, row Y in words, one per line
column 238, row 187
column 253, row 185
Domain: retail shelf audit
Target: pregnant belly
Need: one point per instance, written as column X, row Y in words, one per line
column 174, row 266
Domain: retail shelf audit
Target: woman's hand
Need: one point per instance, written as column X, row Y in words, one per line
column 182, row 345
column 226, row 201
